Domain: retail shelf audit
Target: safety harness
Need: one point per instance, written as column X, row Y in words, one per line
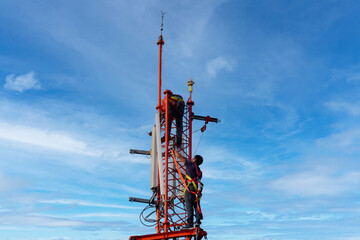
column 175, row 101
column 195, row 181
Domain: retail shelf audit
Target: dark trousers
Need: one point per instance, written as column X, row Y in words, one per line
column 191, row 206
column 177, row 114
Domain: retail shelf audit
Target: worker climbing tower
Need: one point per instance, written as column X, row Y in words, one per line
column 172, row 130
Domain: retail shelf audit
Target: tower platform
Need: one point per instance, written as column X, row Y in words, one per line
column 186, row 234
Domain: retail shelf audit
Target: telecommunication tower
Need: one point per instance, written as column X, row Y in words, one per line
column 167, row 173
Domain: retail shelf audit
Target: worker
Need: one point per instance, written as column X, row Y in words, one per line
column 176, row 111
column 193, row 189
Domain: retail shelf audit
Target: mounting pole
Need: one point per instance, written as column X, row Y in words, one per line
column 190, row 103
column 160, row 42
column 167, row 135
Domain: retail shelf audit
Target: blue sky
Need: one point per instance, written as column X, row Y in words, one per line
column 78, row 88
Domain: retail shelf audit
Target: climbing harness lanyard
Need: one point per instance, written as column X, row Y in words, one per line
column 194, row 181
column 196, row 193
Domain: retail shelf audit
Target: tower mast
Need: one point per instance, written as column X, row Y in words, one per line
column 160, row 42
column 170, row 210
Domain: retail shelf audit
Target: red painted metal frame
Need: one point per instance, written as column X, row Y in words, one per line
column 174, row 210
column 184, row 234
column 160, row 42
column 190, row 104
column 167, row 131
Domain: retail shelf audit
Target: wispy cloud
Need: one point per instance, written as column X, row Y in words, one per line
column 317, row 183
column 350, row 75
column 328, row 167
column 45, row 139
column 214, row 66
column 71, row 131
column 226, row 165
column 22, row 83
column 86, row 203
column 344, row 142
column 343, row 106
column 37, row 220
column 195, row 19
column 109, row 215
column 9, row 183
column 49, row 221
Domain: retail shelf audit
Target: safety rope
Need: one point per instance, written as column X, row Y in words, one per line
column 202, row 129
column 199, row 143
column 186, row 186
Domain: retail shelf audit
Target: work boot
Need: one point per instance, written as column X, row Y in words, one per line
column 197, row 224
column 187, row 226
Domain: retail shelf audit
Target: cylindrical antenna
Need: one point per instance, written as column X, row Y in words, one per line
column 162, row 21
column 190, row 83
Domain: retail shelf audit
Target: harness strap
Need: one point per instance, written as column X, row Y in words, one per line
column 177, row 98
column 189, row 180
column 174, row 99
column 187, row 186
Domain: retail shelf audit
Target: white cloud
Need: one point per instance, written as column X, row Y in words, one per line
column 213, row 67
column 21, row 83
column 69, row 129
column 194, row 18
column 232, row 168
column 355, row 77
column 347, row 107
column 45, row 139
column 329, row 170
column 351, row 74
column 86, row 203
column 9, row 183
column 36, row 220
column 344, row 142
column 315, row 183
column 110, row 215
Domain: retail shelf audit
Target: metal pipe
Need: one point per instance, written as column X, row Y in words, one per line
column 190, row 103
column 203, row 118
column 167, row 135
column 142, row 200
column 140, row 152
column 160, row 42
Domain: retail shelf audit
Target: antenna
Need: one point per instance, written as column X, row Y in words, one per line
column 160, row 42
column 162, row 21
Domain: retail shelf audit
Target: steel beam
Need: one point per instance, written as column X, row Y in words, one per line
column 187, row 233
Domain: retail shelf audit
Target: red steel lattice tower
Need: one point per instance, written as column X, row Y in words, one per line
column 170, row 206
